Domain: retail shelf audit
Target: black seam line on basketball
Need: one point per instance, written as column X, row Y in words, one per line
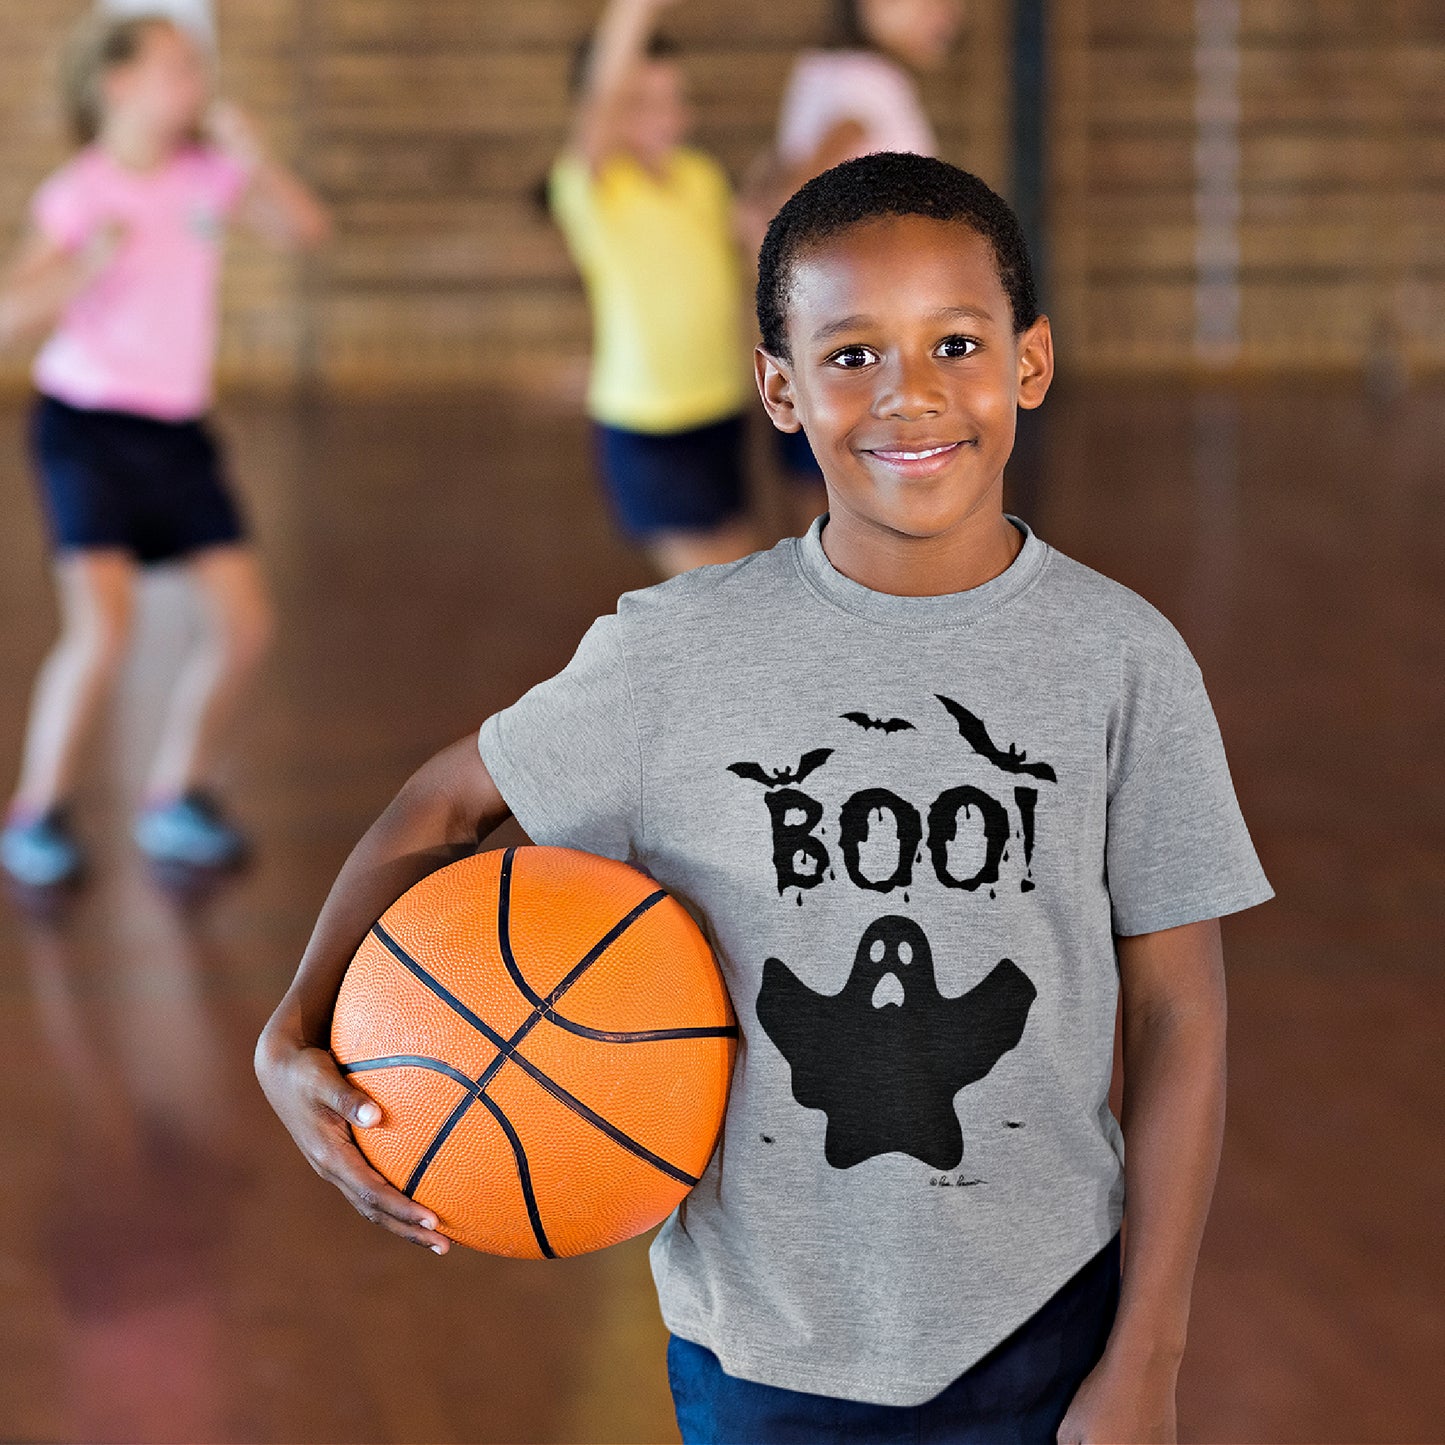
column 598, row 1122
column 437, row 1066
column 504, row 939
column 451, row 1121
column 436, row 986
column 523, row 1173
column 505, row 1047
column 646, row 1036
column 409, row 1061
column 543, row 1006
column 474, row 1086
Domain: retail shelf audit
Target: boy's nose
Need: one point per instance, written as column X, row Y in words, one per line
column 910, row 393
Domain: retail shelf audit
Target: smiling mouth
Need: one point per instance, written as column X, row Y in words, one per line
column 916, row 459
column 891, row 455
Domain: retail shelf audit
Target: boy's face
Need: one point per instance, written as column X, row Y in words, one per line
column 905, row 372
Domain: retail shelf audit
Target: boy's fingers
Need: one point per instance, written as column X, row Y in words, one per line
column 337, row 1106
column 377, row 1206
column 331, row 1089
column 356, row 1108
column 372, row 1209
column 376, row 1199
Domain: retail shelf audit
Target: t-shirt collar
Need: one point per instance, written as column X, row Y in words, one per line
column 951, row 609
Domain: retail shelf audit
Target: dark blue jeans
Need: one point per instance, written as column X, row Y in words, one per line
column 1016, row 1395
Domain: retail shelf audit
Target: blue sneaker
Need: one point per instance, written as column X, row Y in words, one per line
column 41, row 852
column 192, row 831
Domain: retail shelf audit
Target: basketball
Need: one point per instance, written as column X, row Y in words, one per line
column 550, row 1042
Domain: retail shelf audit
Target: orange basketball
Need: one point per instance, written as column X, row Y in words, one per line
column 550, row 1042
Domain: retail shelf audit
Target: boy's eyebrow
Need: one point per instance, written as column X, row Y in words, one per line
column 859, row 323
column 836, row 328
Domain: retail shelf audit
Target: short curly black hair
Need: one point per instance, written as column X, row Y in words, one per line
column 888, row 183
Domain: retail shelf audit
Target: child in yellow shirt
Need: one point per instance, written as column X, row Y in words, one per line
column 650, row 223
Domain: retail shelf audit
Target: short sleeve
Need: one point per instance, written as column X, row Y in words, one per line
column 571, row 195
column 62, row 210
column 565, row 756
column 1177, row 848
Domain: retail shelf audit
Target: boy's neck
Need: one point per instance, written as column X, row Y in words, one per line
column 976, row 551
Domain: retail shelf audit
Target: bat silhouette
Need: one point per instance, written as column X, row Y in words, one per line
column 975, row 734
column 810, row 762
column 885, row 1057
column 883, row 724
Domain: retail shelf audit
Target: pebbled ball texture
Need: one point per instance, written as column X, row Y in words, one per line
column 550, row 1041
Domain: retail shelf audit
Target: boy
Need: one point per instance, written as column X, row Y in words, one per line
column 649, row 221
column 936, row 792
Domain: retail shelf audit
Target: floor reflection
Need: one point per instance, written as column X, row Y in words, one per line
column 145, row 1174
column 171, row 1270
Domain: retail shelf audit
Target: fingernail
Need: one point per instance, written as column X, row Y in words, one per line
column 367, row 1115
column 428, row 1224
column 437, row 1249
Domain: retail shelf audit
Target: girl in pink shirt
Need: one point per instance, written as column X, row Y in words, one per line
column 119, row 273
column 851, row 98
column 859, row 95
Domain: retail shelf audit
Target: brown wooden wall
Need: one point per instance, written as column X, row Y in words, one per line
column 427, row 124
column 432, row 122
column 1341, row 182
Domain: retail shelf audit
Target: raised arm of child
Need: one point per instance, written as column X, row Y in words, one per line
column 442, row 813
column 619, row 42
column 44, row 277
column 770, row 180
column 1172, row 986
column 280, row 207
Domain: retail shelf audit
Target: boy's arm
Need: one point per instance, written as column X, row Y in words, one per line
column 1174, row 1081
column 44, row 277
column 619, row 43
column 278, row 205
column 443, row 811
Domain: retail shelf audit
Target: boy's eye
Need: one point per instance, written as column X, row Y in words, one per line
column 953, row 347
column 850, row 358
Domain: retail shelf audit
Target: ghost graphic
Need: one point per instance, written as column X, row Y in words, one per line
column 885, row 1057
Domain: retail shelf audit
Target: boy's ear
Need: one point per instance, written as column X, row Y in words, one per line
column 1036, row 363
column 775, row 386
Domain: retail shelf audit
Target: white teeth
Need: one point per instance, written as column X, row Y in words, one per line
column 915, row 456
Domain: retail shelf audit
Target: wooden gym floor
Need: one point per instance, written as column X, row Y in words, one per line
column 170, row 1270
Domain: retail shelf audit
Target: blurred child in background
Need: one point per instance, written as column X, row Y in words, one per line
column 853, row 98
column 650, row 222
column 119, row 270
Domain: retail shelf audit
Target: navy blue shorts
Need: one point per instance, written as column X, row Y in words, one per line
column 1016, row 1395
column 157, row 489
column 795, row 456
column 682, row 481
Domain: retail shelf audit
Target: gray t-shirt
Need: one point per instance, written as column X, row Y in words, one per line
column 911, row 827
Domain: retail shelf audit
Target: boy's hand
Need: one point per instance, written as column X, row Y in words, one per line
column 320, row 1108
column 1124, row 1401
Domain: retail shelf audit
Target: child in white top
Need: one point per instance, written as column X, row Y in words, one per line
column 852, row 98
